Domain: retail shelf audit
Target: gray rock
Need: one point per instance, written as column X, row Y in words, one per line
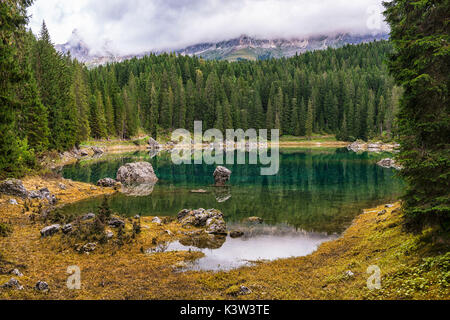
column 13, row 187
column 211, row 219
column 216, row 226
column 109, row 235
column 136, row 173
column 84, row 153
column 42, row 286
column 97, row 150
column 107, row 183
column 137, row 217
column 116, row 223
column 88, row 216
column 43, row 194
column 236, row 234
column 355, row 147
column 244, row 291
column 349, row 274
column 13, row 202
column 382, row 213
column 17, row 273
column 62, row 186
column 153, row 144
column 156, row 220
column 67, row 228
column 257, row 220
column 50, row 230
column 390, row 206
column 222, row 176
column 89, row 247
column 12, row 284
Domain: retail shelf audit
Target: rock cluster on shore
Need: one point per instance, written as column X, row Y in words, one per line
column 211, row 219
column 360, row 146
column 14, row 187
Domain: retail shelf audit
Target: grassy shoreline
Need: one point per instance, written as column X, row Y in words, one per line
column 125, row 272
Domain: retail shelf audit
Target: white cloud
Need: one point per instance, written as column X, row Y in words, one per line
column 142, row 25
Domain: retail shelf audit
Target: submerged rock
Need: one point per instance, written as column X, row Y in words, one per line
column 254, row 220
column 13, row 187
column 236, row 234
column 222, row 176
column 389, row 163
column 107, row 183
column 50, row 230
column 135, row 173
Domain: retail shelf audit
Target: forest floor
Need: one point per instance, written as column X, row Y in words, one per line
column 413, row 266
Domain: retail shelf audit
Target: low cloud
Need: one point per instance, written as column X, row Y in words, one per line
column 133, row 26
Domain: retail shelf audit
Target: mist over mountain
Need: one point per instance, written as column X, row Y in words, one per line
column 242, row 48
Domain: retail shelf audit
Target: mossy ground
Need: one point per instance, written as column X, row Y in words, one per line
column 412, row 266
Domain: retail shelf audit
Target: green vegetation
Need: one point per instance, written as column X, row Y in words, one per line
column 51, row 102
column 420, row 64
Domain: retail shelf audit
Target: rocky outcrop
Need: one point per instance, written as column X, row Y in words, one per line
column 389, row 164
column 14, row 187
column 222, row 176
column 137, row 173
column 50, row 230
column 212, row 220
column 107, row 183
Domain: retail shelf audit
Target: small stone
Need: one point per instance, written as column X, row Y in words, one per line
column 50, row 230
column 89, row 247
column 67, row 228
column 236, row 234
column 17, row 273
column 137, row 217
column 88, row 216
column 169, row 232
column 390, row 206
column 254, row 220
column 382, row 213
column 199, row 191
column 116, row 223
column 109, row 234
column 349, row 274
column 157, row 220
column 12, row 284
column 245, row 291
column 13, row 202
column 42, row 286
column 107, row 183
column 62, row 186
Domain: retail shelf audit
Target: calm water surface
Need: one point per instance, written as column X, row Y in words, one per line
column 313, row 199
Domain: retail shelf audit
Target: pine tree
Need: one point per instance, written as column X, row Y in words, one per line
column 419, row 33
column 309, row 120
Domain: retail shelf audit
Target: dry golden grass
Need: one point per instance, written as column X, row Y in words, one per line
column 125, row 272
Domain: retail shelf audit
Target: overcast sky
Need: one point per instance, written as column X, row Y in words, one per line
column 134, row 26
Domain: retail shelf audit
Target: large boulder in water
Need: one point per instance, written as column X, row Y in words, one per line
column 13, row 187
column 137, row 173
column 221, row 176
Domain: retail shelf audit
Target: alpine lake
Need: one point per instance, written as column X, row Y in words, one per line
column 313, row 199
